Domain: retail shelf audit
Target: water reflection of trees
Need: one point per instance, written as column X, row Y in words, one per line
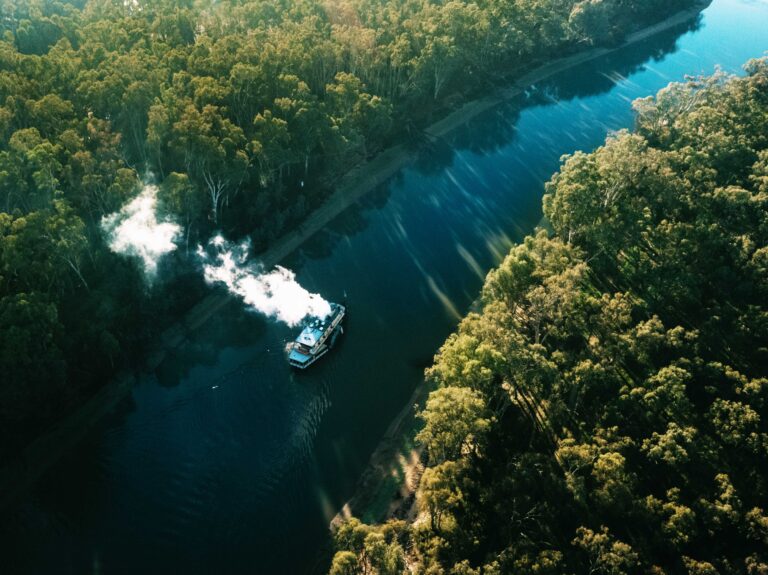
column 350, row 222
column 490, row 131
column 229, row 328
column 599, row 76
column 497, row 127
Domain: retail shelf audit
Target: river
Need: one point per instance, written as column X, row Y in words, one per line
column 223, row 460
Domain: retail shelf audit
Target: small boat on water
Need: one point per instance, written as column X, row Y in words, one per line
column 317, row 337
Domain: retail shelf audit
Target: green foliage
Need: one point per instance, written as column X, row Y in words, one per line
column 30, row 357
column 344, row 563
column 453, row 422
column 371, row 550
column 607, row 556
column 605, row 412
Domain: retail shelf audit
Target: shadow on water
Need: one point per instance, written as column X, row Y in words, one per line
column 202, row 348
column 496, row 128
column 601, row 75
column 434, row 156
column 346, row 225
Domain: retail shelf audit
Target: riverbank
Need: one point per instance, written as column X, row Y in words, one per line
column 387, row 486
column 44, row 452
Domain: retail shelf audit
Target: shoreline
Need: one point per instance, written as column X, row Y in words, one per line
column 30, row 464
column 387, row 486
column 388, row 459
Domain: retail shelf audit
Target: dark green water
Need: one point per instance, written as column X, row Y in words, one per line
column 224, row 460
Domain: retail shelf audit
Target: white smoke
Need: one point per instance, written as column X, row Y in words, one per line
column 136, row 231
column 276, row 294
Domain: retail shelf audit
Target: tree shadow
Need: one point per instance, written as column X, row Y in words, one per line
column 591, row 79
column 352, row 221
column 228, row 328
column 496, row 128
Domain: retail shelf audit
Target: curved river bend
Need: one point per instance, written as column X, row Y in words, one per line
column 223, row 460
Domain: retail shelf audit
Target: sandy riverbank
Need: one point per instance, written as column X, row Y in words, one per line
column 389, row 459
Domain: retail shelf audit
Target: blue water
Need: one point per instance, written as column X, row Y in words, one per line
column 224, row 460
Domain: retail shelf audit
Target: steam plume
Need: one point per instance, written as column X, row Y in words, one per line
column 136, row 231
column 276, row 294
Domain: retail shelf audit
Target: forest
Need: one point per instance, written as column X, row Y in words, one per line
column 244, row 113
column 605, row 411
